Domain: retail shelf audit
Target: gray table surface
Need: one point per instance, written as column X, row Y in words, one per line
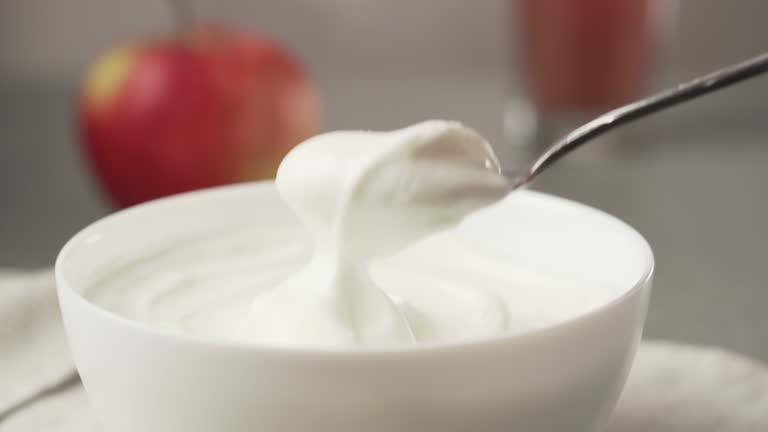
column 693, row 185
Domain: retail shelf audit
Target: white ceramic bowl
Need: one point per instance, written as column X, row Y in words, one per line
column 565, row 377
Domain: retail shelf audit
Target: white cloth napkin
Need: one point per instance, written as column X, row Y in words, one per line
column 34, row 357
column 672, row 387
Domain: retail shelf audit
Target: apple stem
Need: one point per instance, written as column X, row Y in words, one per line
column 183, row 13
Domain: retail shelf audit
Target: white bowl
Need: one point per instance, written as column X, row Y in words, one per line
column 565, row 377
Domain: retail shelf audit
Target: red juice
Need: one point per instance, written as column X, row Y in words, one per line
column 585, row 55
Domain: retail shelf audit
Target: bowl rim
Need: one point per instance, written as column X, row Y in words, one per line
column 64, row 288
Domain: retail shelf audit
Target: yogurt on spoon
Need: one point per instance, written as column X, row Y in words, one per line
column 366, row 195
column 378, row 264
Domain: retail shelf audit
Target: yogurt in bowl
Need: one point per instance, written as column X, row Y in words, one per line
column 523, row 317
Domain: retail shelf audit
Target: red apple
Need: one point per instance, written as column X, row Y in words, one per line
column 209, row 107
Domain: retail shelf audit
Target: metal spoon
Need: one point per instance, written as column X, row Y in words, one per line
column 682, row 92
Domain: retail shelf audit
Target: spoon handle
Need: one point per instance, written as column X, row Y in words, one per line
column 682, row 92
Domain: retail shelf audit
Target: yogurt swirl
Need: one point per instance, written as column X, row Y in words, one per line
column 364, row 195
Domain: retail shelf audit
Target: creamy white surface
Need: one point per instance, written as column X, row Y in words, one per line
column 205, row 285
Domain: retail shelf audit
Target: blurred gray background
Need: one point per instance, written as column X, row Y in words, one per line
column 694, row 182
